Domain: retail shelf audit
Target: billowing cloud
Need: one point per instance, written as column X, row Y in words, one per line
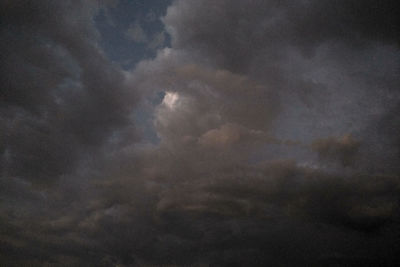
column 263, row 30
column 273, row 136
column 60, row 95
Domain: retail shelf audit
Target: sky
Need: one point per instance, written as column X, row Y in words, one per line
column 199, row 133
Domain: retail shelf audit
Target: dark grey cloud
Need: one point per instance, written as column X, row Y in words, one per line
column 60, row 95
column 235, row 33
column 325, row 60
column 344, row 150
column 277, row 127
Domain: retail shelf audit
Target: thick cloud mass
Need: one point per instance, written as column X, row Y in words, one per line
column 277, row 137
column 60, row 96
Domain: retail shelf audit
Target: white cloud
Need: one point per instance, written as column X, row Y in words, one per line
column 171, row 99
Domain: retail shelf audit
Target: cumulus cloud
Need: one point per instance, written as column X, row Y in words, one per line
column 60, row 94
column 276, row 125
column 268, row 27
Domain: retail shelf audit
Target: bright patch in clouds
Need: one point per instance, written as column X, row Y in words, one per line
column 170, row 99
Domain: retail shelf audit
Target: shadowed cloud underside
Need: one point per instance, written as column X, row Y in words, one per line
column 199, row 133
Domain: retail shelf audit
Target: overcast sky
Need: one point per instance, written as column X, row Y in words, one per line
column 199, row 133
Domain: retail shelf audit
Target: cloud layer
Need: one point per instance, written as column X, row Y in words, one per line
column 276, row 137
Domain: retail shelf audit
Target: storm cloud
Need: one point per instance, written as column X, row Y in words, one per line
column 266, row 133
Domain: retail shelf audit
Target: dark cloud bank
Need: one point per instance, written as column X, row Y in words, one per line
column 278, row 137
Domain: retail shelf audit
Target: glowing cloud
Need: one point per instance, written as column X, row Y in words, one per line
column 170, row 99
